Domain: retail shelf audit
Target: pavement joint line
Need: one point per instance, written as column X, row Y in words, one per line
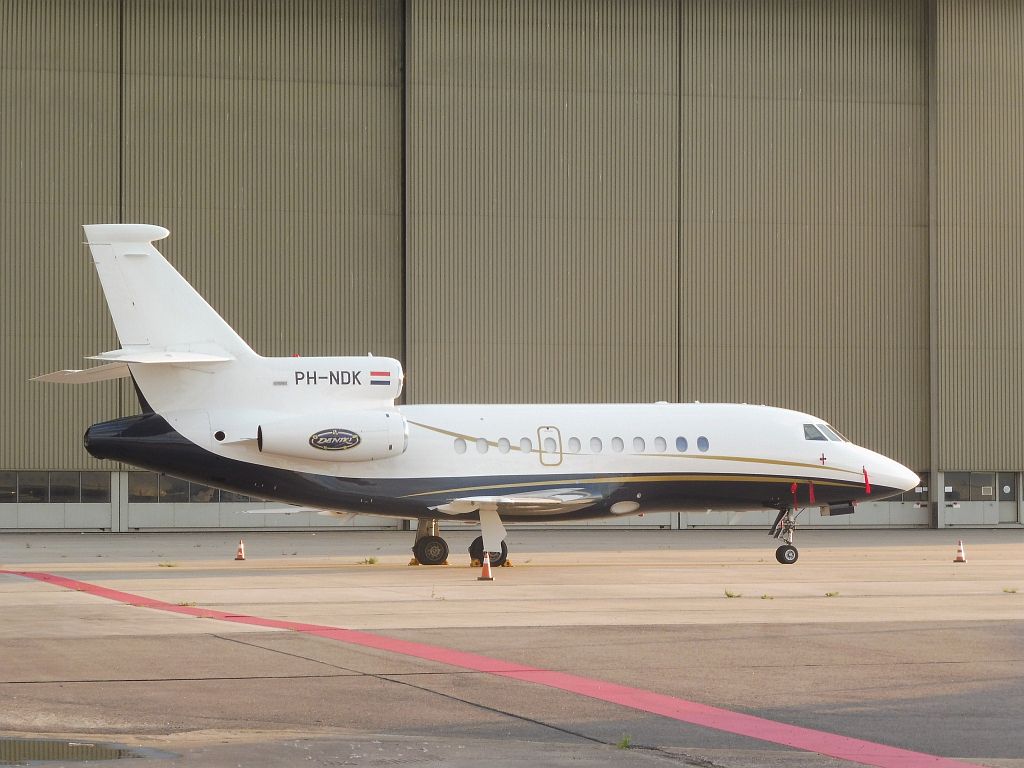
column 834, row 745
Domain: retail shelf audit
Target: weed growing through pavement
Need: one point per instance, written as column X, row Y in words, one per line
column 730, row 593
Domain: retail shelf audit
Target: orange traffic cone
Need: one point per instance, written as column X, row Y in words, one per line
column 240, row 554
column 486, row 575
column 961, row 557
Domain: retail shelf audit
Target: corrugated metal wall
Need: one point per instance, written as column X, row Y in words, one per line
column 58, row 168
column 267, row 137
column 978, row 234
column 542, row 218
column 804, row 279
column 605, row 201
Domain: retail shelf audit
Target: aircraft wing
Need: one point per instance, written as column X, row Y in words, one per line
column 541, row 502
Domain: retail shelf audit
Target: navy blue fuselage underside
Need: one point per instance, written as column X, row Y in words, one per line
column 149, row 442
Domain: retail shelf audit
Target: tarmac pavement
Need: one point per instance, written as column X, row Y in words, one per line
column 875, row 635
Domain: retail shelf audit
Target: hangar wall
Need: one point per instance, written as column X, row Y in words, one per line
column 813, row 204
column 58, row 167
column 542, row 222
column 978, row 231
column 804, row 207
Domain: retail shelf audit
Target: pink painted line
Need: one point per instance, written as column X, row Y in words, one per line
column 807, row 739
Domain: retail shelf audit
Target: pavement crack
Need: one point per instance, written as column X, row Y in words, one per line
column 395, row 680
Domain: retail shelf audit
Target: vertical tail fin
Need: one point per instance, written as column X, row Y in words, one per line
column 153, row 307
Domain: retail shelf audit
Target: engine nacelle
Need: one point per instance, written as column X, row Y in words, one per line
column 343, row 436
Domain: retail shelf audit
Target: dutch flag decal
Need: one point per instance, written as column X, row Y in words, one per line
column 380, row 377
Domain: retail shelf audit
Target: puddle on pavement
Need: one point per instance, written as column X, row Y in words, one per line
column 43, row 751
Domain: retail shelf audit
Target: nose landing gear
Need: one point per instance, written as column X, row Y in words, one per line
column 783, row 529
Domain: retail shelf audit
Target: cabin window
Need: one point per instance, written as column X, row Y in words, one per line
column 617, row 444
column 703, row 444
column 574, row 445
column 525, row 445
column 460, row 445
column 504, row 445
column 596, row 445
column 811, row 432
column 481, row 445
column 549, row 445
column 660, row 445
column 638, row 445
column 681, row 444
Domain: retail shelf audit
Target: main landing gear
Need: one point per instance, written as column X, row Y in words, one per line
column 430, row 549
column 782, row 529
column 476, row 553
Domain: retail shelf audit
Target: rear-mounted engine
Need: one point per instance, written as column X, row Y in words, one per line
column 344, row 436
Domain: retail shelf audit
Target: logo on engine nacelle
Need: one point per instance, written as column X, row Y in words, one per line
column 334, row 439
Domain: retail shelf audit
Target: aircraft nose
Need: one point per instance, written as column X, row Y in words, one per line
column 895, row 475
column 907, row 480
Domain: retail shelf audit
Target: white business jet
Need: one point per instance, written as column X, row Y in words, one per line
column 325, row 433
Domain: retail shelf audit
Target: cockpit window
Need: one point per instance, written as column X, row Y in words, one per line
column 838, row 434
column 830, row 433
column 811, row 432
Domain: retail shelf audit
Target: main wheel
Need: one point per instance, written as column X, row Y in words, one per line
column 476, row 552
column 786, row 554
column 431, row 550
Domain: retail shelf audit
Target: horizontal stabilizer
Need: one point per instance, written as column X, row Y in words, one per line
column 160, row 356
column 88, row 375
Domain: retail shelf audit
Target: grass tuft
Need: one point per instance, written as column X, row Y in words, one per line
column 730, row 593
column 168, row 565
column 625, row 742
column 187, row 605
column 766, row 596
column 831, row 594
column 1010, row 590
column 368, row 561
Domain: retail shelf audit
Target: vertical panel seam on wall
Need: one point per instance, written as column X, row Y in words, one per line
column 120, row 160
column 932, row 75
column 678, row 201
column 403, row 27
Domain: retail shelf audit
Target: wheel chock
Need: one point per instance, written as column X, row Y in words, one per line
column 414, row 561
column 474, row 563
column 507, row 564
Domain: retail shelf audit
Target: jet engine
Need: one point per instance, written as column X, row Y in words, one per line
column 343, row 436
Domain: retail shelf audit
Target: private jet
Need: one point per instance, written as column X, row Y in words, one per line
column 325, row 433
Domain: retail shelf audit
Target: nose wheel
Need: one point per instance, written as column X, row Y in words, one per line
column 783, row 529
column 786, row 554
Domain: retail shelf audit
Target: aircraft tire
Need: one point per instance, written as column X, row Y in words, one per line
column 786, row 554
column 431, row 550
column 476, row 552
